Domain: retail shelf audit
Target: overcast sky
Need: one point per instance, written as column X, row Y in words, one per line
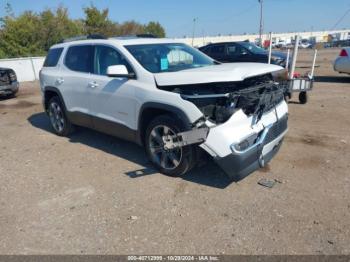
column 213, row 17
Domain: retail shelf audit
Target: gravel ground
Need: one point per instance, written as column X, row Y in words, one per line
column 81, row 195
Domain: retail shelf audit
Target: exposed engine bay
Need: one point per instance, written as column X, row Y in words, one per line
column 219, row 101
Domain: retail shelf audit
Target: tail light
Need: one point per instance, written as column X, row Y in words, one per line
column 343, row 53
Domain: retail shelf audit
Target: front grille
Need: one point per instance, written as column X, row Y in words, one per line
column 272, row 99
column 4, row 78
column 276, row 130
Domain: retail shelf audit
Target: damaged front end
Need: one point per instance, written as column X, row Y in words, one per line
column 244, row 121
column 219, row 101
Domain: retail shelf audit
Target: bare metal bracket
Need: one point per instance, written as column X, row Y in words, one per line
column 194, row 136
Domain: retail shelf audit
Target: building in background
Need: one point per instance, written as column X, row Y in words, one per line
column 314, row 37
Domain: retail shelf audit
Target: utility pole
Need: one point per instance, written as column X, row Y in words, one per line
column 194, row 28
column 261, row 22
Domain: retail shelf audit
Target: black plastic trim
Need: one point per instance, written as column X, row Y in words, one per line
column 238, row 167
column 114, row 129
column 154, row 105
column 57, row 91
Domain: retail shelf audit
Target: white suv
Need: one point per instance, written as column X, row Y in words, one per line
column 170, row 98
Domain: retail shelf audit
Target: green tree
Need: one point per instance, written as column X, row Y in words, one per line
column 57, row 26
column 131, row 28
column 97, row 22
column 155, row 28
column 32, row 34
column 20, row 36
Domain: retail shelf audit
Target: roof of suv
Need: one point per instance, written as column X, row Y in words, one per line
column 120, row 41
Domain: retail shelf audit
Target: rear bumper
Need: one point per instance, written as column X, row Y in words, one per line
column 342, row 65
column 9, row 89
column 238, row 165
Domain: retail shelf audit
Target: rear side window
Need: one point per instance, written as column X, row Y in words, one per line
column 80, row 58
column 217, row 49
column 52, row 57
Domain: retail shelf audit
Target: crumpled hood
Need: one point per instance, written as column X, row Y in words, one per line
column 216, row 73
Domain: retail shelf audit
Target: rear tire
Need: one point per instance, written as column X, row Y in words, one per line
column 171, row 162
column 59, row 121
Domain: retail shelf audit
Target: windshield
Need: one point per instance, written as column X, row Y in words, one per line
column 158, row 58
column 253, row 48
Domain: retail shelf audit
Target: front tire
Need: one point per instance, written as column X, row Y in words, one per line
column 59, row 121
column 171, row 162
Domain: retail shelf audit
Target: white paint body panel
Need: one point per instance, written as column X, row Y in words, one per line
column 237, row 128
column 342, row 63
column 120, row 99
column 215, row 73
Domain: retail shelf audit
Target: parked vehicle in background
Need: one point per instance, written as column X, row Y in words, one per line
column 231, row 52
column 8, row 82
column 342, row 62
column 281, row 44
column 305, row 43
column 170, row 98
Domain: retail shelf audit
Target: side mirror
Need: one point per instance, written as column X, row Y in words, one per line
column 119, row 71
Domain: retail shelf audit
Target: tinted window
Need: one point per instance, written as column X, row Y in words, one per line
column 232, row 49
column 235, row 50
column 253, row 48
column 80, row 58
column 52, row 57
column 107, row 56
column 217, row 49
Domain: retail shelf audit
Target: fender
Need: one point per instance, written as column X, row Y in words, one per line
column 57, row 91
column 164, row 107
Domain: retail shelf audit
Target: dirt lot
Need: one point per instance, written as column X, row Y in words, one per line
column 81, row 195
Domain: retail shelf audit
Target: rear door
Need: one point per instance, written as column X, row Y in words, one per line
column 217, row 52
column 73, row 82
column 113, row 100
column 237, row 53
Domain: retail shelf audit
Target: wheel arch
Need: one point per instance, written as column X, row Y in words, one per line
column 151, row 110
column 49, row 92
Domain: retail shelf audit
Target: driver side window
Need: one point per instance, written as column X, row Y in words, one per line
column 106, row 56
column 236, row 50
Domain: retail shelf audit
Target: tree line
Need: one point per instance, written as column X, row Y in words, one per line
column 32, row 34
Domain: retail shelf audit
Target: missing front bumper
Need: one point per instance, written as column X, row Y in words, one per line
column 240, row 164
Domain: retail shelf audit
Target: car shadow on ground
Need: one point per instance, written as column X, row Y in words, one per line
column 209, row 174
column 6, row 97
column 332, row 79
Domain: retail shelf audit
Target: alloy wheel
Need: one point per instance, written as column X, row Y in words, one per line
column 165, row 157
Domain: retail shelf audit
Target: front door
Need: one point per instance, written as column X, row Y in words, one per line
column 112, row 99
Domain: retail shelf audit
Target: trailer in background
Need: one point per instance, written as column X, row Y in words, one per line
column 297, row 83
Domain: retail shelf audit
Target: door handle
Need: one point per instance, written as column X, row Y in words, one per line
column 93, row 84
column 59, row 81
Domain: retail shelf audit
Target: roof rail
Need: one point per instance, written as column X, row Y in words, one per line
column 135, row 36
column 146, row 36
column 83, row 37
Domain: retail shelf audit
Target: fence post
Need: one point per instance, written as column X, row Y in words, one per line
column 33, row 67
column 270, row 48
column 295, row 55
